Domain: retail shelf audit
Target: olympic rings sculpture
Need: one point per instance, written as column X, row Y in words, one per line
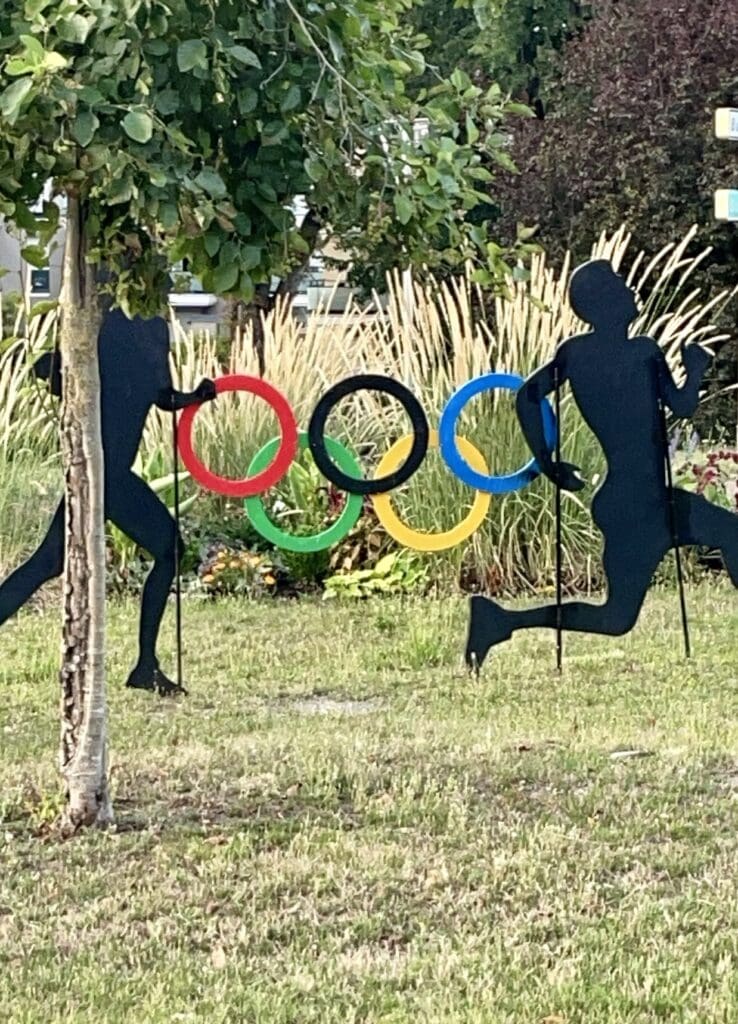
column 340, row 466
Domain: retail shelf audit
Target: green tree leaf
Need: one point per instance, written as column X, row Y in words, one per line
column 315, row 170
column 156, row 47
column 225, row 278
column 139, row 126
column 24, row 218
column 291, row 99
column 251, row 256
column 84, row 127
column 36, row 256
column 403, row 209
column 167, row 102
column 19, row 66
column 34, row 48
column 13, row 98
column 212, row 244
column 74, row 28
column 192, row 54
column 245, row 56
column 210, row 181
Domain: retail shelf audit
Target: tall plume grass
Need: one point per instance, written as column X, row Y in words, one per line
column 28, row 414
column 446, row 336
column 434, row 345
column 30, row 478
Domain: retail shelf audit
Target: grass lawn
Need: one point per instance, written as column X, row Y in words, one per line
column 339, row 825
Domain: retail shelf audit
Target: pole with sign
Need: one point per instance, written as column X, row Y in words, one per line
column 726, row 199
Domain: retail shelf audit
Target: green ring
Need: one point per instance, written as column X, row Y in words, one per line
column 319, row 541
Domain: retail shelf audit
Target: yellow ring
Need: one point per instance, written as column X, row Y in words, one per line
column 413, row 539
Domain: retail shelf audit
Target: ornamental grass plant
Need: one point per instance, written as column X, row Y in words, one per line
column 28, row 414
column 443, row 337
column 434, row 341
column 30, row 480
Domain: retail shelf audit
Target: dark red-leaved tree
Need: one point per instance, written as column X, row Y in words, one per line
column 628, row 135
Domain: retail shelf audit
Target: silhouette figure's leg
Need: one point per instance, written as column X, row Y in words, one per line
column 630, row 561
column 136, row 510
column 703, row 524
column 44, row 565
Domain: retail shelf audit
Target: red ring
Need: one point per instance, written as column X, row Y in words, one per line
column 275, row 472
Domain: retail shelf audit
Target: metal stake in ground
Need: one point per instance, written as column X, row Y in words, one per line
column 559, row 532
column 177, row 559
column 673, row 525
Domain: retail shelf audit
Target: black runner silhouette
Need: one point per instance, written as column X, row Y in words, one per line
column 619, row 385
column 134, row 375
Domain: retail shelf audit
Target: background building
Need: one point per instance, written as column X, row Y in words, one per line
column 192, row 306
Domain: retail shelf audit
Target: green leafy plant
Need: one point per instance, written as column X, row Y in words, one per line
column 302, row 502
column 213, row 520
column 398, row 573
column 305, row 505
column 518, row 40
column 713, row 474
column 364, row 546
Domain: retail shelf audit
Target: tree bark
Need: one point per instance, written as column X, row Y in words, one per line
column 245, row 315
column 310, row 232
column 83, row 753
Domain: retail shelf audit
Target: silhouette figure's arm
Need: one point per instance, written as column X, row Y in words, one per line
column 682, row 401
column 171, row 400
column 528, row 404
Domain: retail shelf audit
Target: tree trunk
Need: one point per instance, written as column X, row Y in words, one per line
column 310, row 233
column 83, row 752
column 245, row 315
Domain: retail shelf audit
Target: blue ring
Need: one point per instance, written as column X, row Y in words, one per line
column 450, row 451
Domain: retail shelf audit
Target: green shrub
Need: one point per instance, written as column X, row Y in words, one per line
column 713, row 474
column 399, row 573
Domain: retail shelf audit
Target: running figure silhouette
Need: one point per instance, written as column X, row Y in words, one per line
column 619, row 385
column 134, row 376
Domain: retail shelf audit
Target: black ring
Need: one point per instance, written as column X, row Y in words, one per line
column 369, row 382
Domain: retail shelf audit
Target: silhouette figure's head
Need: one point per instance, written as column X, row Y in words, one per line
column 601, row 297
